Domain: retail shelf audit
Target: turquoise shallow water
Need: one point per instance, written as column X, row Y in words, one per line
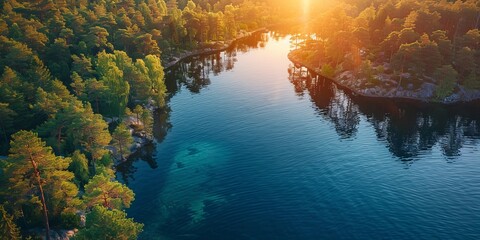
column 247, row 152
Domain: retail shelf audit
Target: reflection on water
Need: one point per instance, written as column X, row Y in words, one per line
column 194, row 73
column 161, row 125
column 408, row 129
column 246, row 154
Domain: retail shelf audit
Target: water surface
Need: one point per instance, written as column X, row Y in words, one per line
column 246, row 151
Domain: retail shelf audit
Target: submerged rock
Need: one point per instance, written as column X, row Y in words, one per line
column 191, row 182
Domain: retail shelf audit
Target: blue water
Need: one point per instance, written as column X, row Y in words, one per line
column 246, row 151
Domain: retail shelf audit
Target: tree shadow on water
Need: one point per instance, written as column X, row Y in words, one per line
column 409, row 129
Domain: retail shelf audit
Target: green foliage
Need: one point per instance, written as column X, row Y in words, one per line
column 91, row 134
column 143, row 121
column 328, row 71
column 109, row 225
column 78, row 86
column 70, row 220
column 413, row 37
column 102, row 190
column 79, row 167
column 444, row 45
column 8, row 228
column 447, row 80
column 122, row 140
column 147, row 120
column 33, row 171
column 118, row 72
column 472, row 82
column 465, row 61
column 156, row 75
column 7, row 117
column 71, row 42
column 76, row 127
column 106, row 161
column 368, row 71
column 137, row 111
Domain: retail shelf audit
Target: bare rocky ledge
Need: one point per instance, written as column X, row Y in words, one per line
column 389, row 90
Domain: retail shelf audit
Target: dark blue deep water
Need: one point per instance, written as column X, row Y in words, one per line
column 246, row 151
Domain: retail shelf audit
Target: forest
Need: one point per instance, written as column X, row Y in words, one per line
column 80, row 81
column 76, row 78
column 427, row 50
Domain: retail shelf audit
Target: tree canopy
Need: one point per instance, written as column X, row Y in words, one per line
column 398, row 37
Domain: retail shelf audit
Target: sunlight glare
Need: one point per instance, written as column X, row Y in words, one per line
column 306, row 8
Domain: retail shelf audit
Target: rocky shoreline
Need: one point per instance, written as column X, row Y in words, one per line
column 140, row 139
column 425, row 93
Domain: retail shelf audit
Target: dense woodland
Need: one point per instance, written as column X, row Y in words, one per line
column 399, row 44
column 75, row 76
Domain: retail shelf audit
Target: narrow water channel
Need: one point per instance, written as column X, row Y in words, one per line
column 246, row 151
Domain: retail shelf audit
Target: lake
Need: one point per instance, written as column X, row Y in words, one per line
column 248, row 151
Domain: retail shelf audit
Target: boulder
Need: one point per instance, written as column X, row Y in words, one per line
column 427, row 90
column 452, row 98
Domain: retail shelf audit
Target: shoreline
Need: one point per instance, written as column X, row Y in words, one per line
column 227, row 44
column 142, row 141
column 360, row 92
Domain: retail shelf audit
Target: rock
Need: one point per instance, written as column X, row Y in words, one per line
column 452, row 98
column 40, row 233
column 71, row 233
column 427, row 90
column 405, row 75
column 55, row 236
column 63, row 234
column 83, row 219
column 108, row 120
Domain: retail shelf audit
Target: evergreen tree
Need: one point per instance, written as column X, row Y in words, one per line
column 79, row 167
column 103, row 223
column 6, row 121
column 138, row 111
column 8, row 228
column 155, row 73
column 102, row 190
column 122, row 139
column 147, row 121
column 33, row 170
column 447, row 77
column 91, row 134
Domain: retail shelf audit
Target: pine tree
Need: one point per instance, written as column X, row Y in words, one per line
column 446, row 77
column 122, row 139
column 103, row 223
column 6, row 121
column 138, row 111
column 91, row 134
column 156, row 75
column 147, row 121
column 79, row 167
column 31, row 167
column 8, row 229
column 102, row 190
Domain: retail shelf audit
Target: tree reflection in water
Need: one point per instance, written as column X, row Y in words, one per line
column 161, row 126
column 331, row 104
column 193, row 74
column 409, row 129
